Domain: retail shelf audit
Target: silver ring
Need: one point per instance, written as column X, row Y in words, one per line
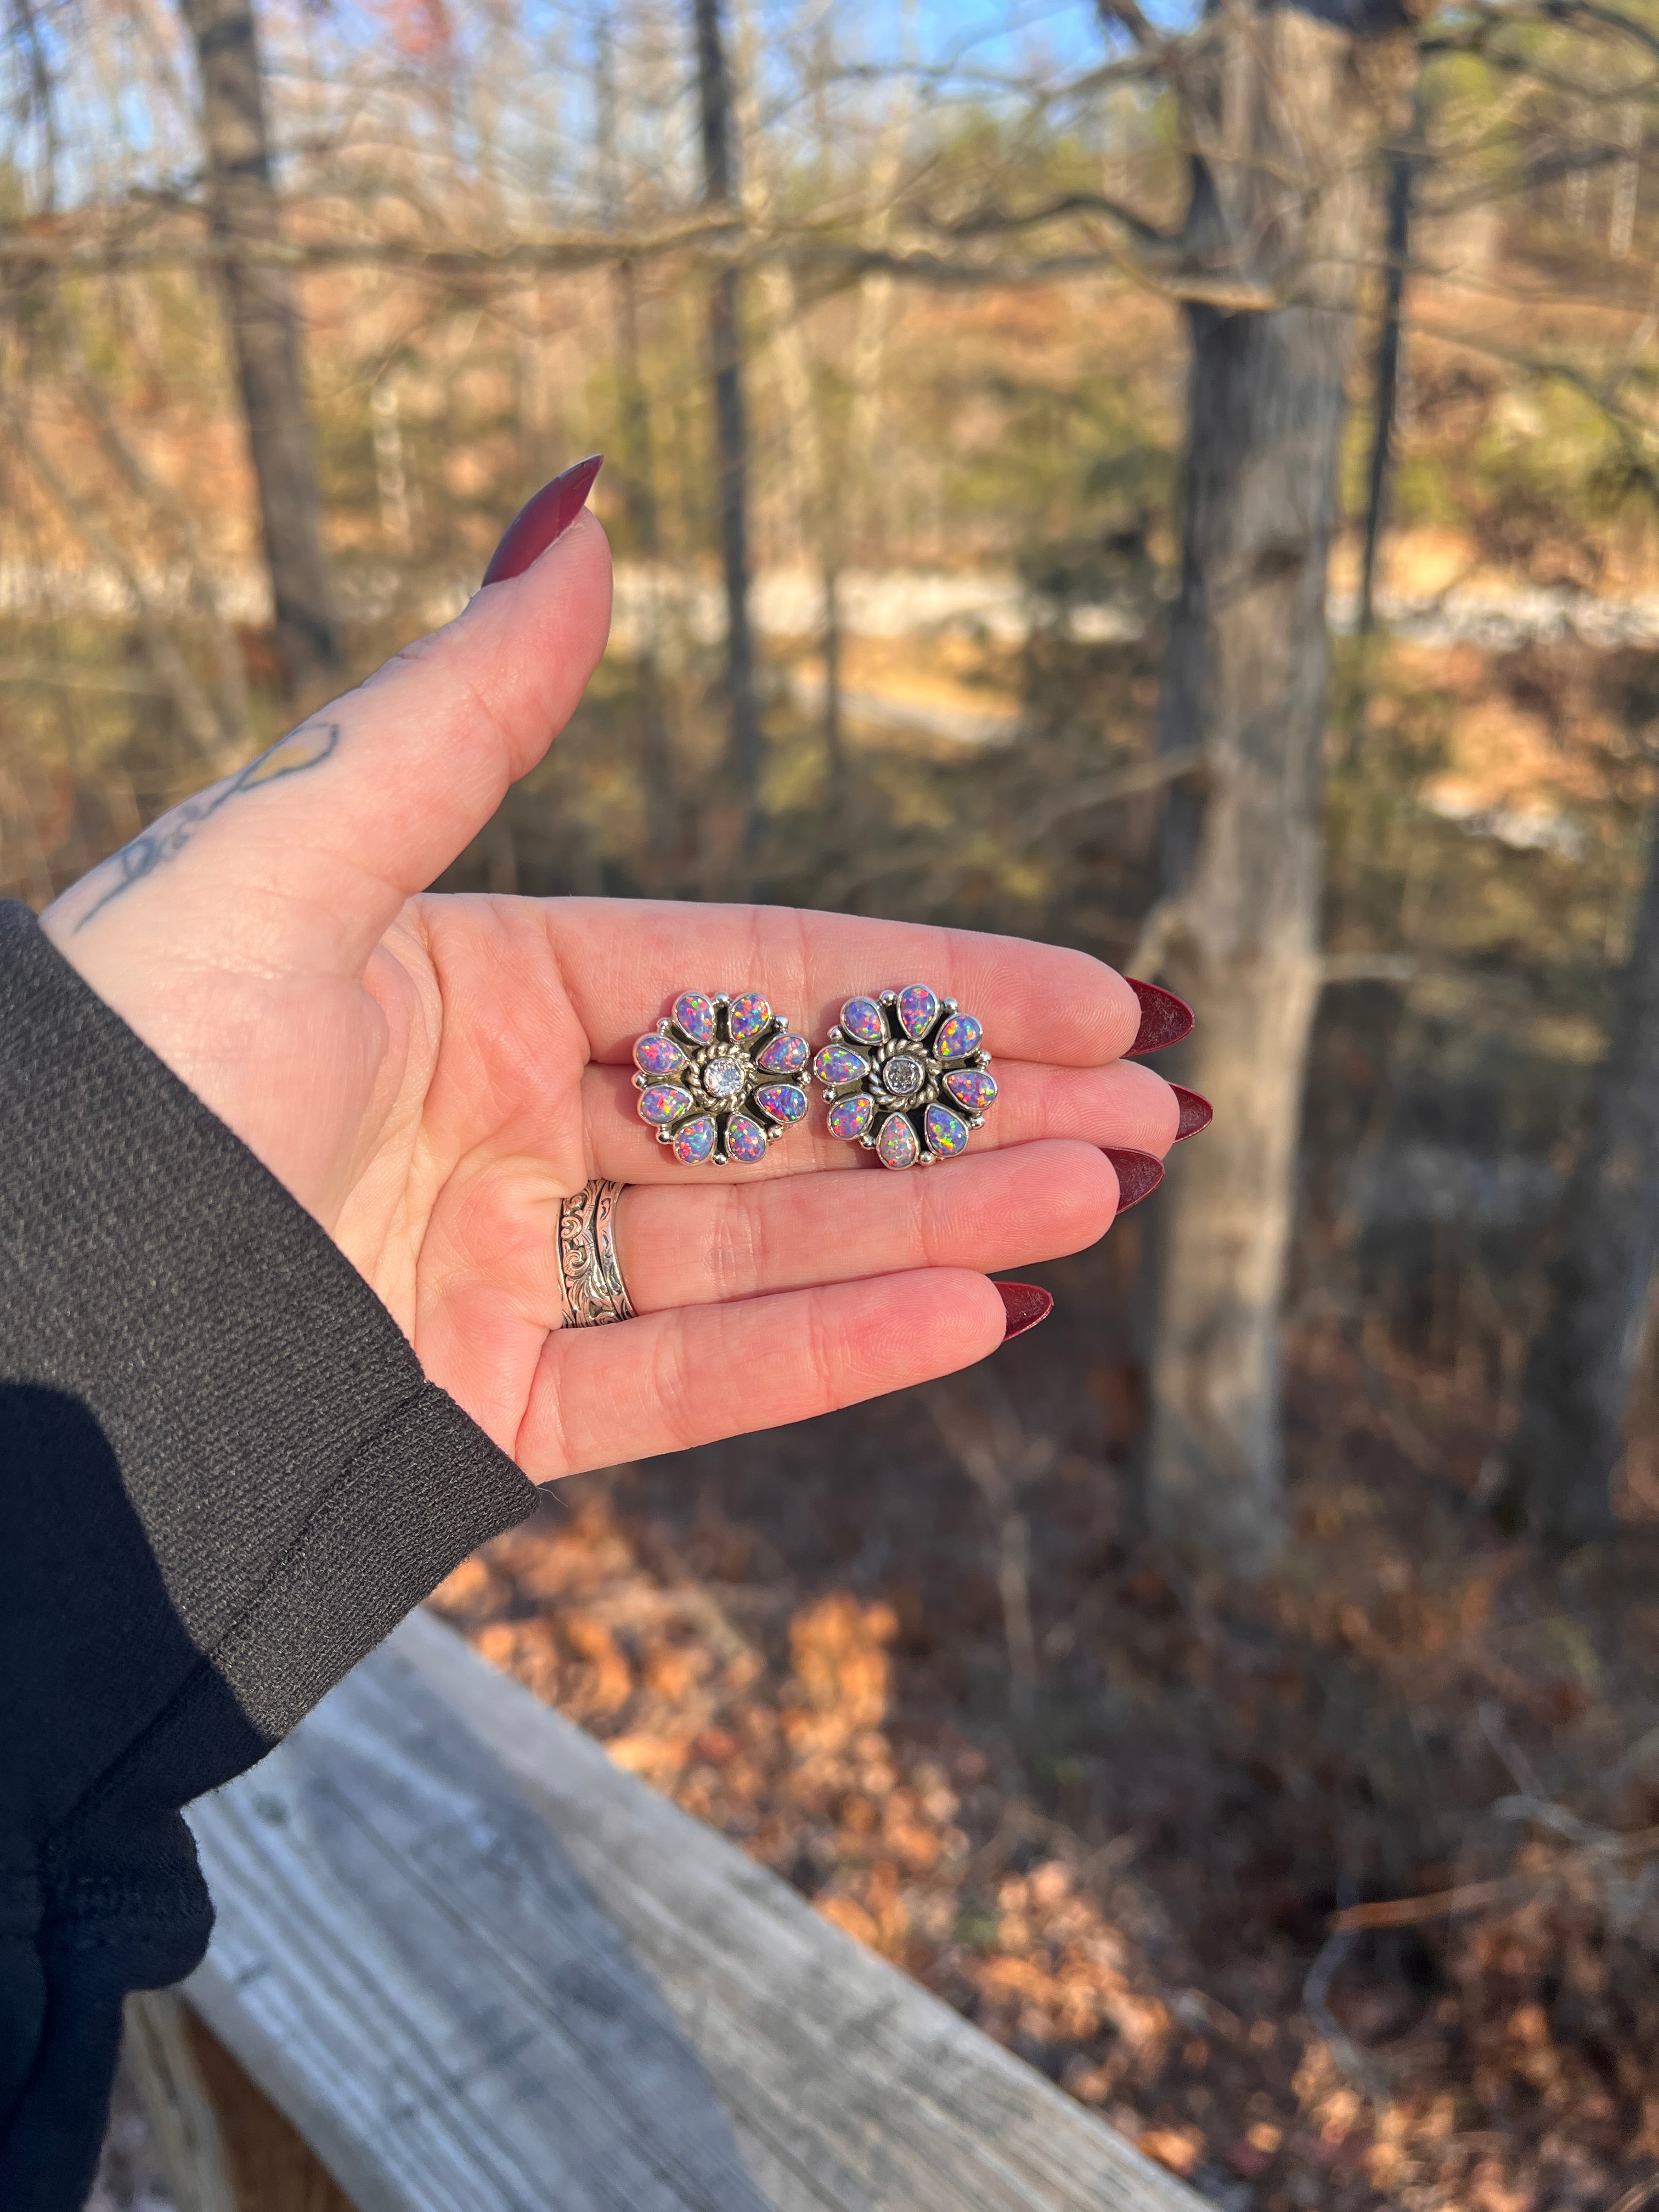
column 590, row 1281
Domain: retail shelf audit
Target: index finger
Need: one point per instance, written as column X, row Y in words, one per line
column 624, row 962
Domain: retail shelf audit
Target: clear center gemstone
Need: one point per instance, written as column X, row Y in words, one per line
column 902, row 1075
column 722, row 1078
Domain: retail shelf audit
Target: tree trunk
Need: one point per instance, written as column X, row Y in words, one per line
column 1570, row 1437
column 731, row 427
column 1403, row 172
column 639, row 479
column 662, row 809
column 266, row 334
column 1282, row 114
column 845, row 506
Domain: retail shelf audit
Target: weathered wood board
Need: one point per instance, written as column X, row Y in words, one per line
column 482, row 1970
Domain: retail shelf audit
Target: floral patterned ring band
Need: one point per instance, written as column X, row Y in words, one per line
column 590, row 1285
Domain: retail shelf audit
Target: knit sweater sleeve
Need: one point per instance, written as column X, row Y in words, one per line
column 223, row 1478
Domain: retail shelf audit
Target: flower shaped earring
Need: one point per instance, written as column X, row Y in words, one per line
column 906, row 1075
column 715, row 1078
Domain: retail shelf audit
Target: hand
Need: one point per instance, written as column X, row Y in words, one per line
column 430, row 1076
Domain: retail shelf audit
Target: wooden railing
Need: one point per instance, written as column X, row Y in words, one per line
column 480, row 1969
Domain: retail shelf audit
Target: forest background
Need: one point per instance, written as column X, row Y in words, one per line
column 1183, row 486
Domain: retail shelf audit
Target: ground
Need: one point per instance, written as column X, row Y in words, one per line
column 1117, row 1844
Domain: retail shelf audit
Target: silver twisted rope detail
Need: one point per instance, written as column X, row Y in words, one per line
column 590, row 1280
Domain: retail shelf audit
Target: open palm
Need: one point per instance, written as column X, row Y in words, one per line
column 430, row 1076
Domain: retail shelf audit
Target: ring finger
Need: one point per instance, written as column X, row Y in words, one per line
column 696, row 1246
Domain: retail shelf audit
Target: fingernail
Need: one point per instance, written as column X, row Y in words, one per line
column 543, row 518
column 1196, row 1112
column 1165, row 1020
column 1138, row 1176
column 1025, row 1305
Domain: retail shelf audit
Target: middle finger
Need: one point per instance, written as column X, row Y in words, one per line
column 1123, row 1103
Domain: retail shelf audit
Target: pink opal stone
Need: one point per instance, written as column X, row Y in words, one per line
column 694, row 1016
column 959, row 1036
column 785, row 1055
column 746, row 1016
column 918, row 1010
column 836, row 1063
column 861, row 1018
column 657, row 1055
column 976, row 1088
column 781, row 1101
column 850, row 1117
column 897, row 1146
column 695, row 1143
column 663, row 1103
column 745, row 1139
column 947, row 1132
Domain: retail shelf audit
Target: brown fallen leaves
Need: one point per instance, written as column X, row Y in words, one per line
column 1499, row 1985
column 797, row 1760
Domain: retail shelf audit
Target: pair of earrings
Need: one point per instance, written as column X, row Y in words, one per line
column 904, row 1073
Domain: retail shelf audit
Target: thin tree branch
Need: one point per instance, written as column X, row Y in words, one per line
column 985, row 221
column 162, row 653
column 1103, row 791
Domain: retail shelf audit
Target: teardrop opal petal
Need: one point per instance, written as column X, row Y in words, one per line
column 694, row 1016
column 897, row 1146
column 947, row 1132
column 657, row 1055
column 663, row 1103
column 747, row 1016
column 918, row 1010
column 850, row 1117
column 695, row 1143
column 783, row 1101
column 745, row 1139
column 836, row 1063
column 785, row 1055
column 959, row 1036
column 976, row 1088
column 861, row 1018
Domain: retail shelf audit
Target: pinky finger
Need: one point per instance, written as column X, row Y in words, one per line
column 668, row 1380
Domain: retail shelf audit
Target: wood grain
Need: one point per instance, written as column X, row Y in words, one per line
column 272, row 2167
column 223, row 2144
column 157, row 2051
column 479, row 1967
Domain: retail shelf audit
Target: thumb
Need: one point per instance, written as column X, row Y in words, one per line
column 305, row 858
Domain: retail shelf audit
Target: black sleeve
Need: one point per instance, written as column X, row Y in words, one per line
column 224, row 1478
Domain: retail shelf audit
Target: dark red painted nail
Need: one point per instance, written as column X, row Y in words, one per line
column 1138, row 1176
column 1025, row 1305
column 543, row 518
column 1165, row 1020
column 1196, row 1112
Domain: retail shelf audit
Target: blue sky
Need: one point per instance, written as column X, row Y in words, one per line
column 979, row 42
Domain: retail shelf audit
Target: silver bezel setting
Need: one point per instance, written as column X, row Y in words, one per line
column 722, row 1105
column 898, row 1044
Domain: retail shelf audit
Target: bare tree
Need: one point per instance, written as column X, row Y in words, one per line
column 1403, row 164
column 265, row 333
column 1284, row 108
column 1569, row 1437
column 856, row 473
column 638, row 473
column 730, row 423
column 984, row 1436
column 171, row 671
